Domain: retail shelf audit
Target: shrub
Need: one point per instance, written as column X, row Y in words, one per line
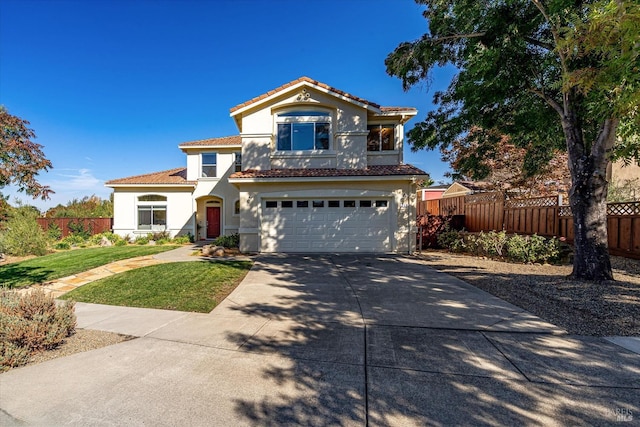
column 160, row 235
column 73, row 240
column 533, row 248
column 452, row 240
column 62, row 246
column 96, row 239
column 30, row 323
column 182, row 240
column 491, row 244
column 22, row 235
column 142, row 240
column 517, row 248
column 229, row 241
column 526, row 249
column 54, row 232
column 79, row 229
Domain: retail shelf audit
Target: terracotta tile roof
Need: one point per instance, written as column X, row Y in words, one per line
column 394, row 109
column 225, row 140
column 387, row 170
column 170, row 177
column 308, row 80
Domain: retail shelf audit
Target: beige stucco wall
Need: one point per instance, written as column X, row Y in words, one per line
column 209, row 189
column 621, row 173
column 180, row 208
column 348, row 129
column 401, row 193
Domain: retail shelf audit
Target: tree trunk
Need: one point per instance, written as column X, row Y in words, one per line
column 588, row 200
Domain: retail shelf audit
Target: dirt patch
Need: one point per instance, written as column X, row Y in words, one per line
column 582, row 308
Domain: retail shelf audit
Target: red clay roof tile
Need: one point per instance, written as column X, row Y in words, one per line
column 168, row 177
column 384, row 170
column 308, row 80
column 222, row 141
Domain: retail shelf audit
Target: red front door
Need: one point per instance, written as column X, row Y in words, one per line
column 213, row 222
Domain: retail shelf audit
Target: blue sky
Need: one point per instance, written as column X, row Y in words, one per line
column 111, row 87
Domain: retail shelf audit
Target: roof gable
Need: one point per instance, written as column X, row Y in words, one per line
column 321, row 87
column 297, row 84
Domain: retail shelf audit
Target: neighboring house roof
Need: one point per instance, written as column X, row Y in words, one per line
column 384, row 170
column 325, row 87
column 440, row 187
column 459, row 188
column 177, row 176
column 234, row 140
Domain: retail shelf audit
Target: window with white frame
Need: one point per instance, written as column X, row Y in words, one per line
column 236, row 207
column 303, row 131
column 237, row 162
column 209, row 161
column 152, row 212
column 381, row 138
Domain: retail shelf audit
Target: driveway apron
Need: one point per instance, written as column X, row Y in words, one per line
column 332, row 340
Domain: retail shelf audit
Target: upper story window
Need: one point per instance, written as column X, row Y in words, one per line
column 381, row 138
column 208, row 165
column 237, row 162
column 303, row 130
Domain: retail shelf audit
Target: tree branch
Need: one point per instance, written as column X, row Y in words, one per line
column 554, row 32
column 539, row 43
column 549, row 101
column 457, row 36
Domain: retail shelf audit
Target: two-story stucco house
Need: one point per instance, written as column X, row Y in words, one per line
column 314, row 169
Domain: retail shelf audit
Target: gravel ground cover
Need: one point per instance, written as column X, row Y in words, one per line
column 582, row 308
column 81, row 340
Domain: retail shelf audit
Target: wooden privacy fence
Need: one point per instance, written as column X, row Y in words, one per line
column 544, row 216
column 90, row 225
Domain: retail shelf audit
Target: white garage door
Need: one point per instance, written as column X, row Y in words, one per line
column 326, row 225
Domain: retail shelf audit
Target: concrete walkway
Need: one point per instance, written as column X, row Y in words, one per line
column 323, row 340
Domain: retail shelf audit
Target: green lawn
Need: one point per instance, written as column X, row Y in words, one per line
column 182, row 286
column 61, row 264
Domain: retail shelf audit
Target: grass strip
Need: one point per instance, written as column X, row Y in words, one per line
column 62, row 264
column 182, row 286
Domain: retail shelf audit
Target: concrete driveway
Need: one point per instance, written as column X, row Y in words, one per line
column 332, row 340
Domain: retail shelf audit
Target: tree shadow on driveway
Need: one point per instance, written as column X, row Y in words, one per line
column 349, row 367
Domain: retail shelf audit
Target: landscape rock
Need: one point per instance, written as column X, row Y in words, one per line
column 105, row 242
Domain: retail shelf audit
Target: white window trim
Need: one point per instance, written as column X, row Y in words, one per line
column 328, row 118
column 152, row 205
column 202, row 164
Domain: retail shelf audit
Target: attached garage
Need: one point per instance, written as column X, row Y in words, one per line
column 327, row 225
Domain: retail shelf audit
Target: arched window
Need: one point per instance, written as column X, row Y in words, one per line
column 152, row 198
column 236, row 208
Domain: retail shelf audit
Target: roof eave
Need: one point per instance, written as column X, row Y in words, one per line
column 185, row 185
column 208, row 147
column 327, row 178
column 294, row 87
